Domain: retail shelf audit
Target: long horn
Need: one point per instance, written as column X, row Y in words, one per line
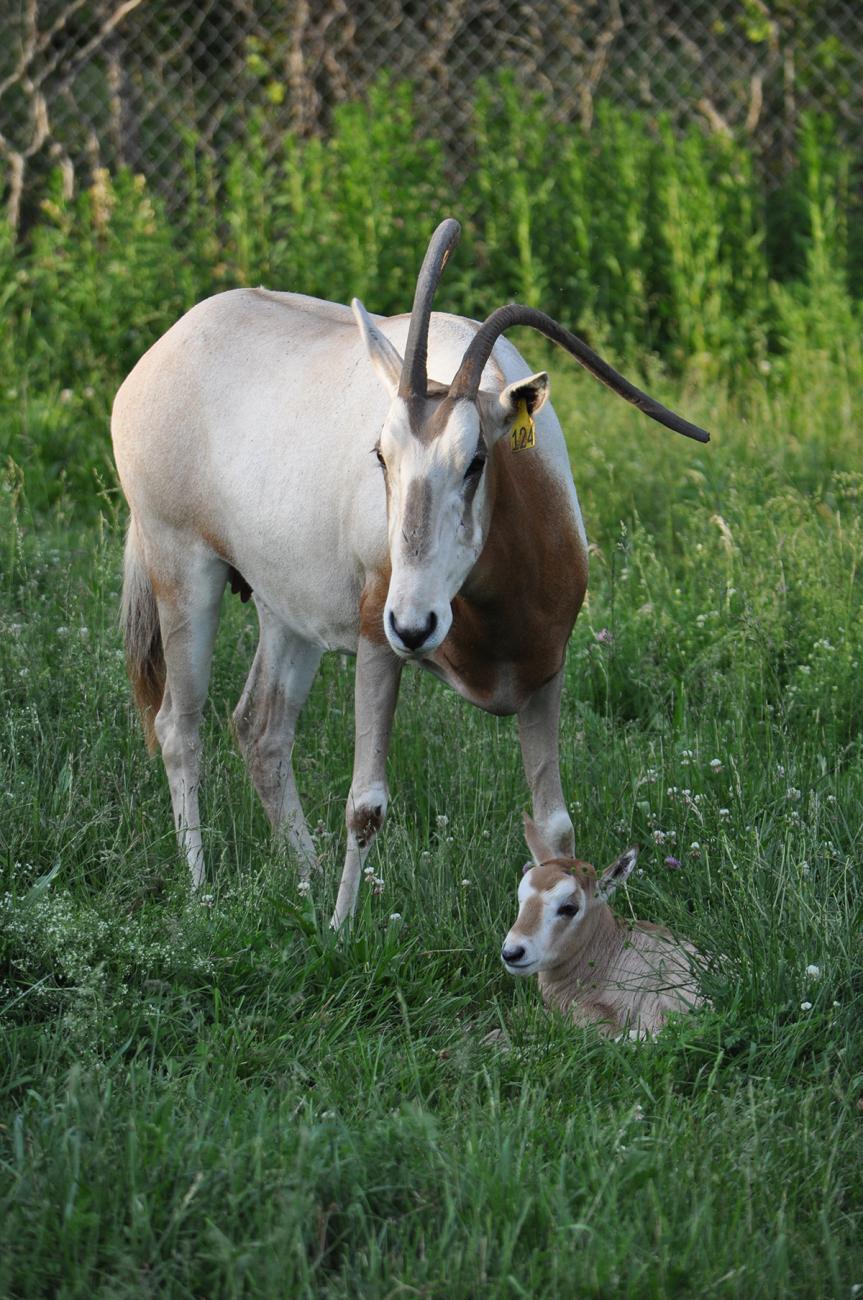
column 414, row 379
column 466, row 381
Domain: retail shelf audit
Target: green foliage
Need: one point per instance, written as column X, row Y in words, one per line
column 226, row 1100
column 645, row 240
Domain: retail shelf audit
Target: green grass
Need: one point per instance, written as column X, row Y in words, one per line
column 226, row 1101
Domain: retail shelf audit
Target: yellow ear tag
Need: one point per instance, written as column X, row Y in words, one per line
column 524, row 430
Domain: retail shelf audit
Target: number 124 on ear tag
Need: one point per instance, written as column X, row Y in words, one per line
column 523, row 433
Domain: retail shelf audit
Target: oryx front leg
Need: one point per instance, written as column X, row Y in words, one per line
column 265, row 721
column 375, row 695
column 539, row 733
column 188, row 617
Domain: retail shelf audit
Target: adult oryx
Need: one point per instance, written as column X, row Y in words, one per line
column 301, row 453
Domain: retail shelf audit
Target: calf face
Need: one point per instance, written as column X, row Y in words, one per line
column 556, row 897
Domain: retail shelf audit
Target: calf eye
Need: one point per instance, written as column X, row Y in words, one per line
column 567, row 909
column 381, row 460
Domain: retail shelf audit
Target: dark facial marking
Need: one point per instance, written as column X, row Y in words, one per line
column 529, row 917
column 416, row 521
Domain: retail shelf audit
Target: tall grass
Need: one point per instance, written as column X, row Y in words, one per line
column 654, row 245
column 226, row 1101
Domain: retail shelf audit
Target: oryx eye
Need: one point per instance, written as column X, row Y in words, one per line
column 381, row 460
column 567, row 909
column 475, row 468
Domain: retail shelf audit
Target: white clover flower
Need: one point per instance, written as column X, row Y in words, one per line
column 695, row 847
column 425, row 856
column 659, row 837
column 83, row 633
column 793, row 793
column 207, row 900
column 465, row 883
column 62, row 630
column 442, row 821
column 837, row 1004
column 716, row 764
column 304, row 888
column 813, row 971
column 395, row 916
column 805, row 1006
column 724, row 812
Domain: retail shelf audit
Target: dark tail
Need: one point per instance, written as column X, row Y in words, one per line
column 139, row 617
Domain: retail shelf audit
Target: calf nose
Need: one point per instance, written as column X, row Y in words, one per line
column 512, row 956
column 414, row 637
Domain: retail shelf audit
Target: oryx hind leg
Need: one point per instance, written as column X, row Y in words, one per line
column 265, row 722
column 188, row 597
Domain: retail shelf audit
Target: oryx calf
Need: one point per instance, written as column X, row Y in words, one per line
column 598, row 969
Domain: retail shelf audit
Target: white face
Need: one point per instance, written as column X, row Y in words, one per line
column 552, row 906
column 437, row 517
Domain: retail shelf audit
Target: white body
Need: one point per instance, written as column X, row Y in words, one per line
column 254, row 417
column 245, row 441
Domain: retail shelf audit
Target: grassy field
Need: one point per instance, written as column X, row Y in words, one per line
column 226, row 1101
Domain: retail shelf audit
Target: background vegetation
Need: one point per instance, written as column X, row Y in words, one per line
column 225, row 1101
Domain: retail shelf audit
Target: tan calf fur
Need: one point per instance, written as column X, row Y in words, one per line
column 593, row 966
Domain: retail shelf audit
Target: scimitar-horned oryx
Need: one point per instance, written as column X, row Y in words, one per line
column 367, row 509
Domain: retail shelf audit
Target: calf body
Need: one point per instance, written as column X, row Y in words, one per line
column 593, row 966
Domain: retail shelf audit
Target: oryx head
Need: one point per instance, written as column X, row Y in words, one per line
column 435, row 446
column 556, row 897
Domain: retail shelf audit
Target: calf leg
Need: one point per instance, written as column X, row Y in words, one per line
column 265, row 722
column 375, row 695
column 539, row 733
column 188, row 605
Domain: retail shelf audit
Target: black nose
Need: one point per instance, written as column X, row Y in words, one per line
column 414, row 637
column 512, row 956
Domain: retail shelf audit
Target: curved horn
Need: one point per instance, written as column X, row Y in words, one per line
column 466, row 381
column 414, row 379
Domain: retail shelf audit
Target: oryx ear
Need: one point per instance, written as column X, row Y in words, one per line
column 383, row 355
column 619, row 871
column 533, row 391
column 499, row 410
column 540, row 851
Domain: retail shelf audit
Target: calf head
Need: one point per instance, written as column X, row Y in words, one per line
column 555, row 897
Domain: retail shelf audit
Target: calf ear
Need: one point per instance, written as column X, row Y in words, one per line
column 540, row 851
column 619, row 871
column 528, row 866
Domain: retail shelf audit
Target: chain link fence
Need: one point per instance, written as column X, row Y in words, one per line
column 148, row 83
